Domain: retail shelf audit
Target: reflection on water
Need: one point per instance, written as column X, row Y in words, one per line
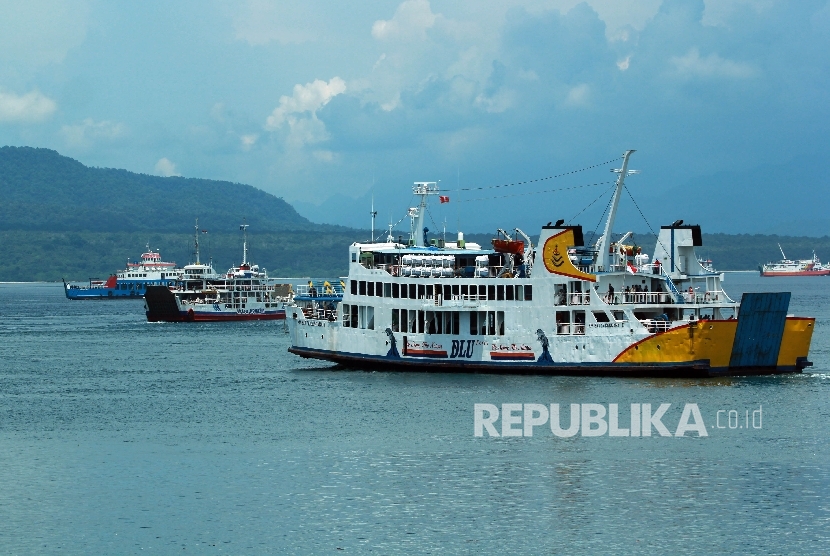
column 119, row 436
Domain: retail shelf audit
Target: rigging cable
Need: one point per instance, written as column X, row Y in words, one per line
column 591, row 203
column 649, row 226
column 540, row 179
column 535, row 192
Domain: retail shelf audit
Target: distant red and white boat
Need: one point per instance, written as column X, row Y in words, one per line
column 787, row 267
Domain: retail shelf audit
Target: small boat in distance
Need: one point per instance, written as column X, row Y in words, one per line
column 131, row 282
column 804, row 267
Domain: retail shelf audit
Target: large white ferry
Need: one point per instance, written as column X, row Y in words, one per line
column 556, row 308
column 803, row 267
column 244, row 292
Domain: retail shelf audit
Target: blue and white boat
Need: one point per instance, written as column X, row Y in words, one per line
column 131, row 282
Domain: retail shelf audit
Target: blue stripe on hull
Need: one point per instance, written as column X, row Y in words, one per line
column 123, row 290
column 108, row 293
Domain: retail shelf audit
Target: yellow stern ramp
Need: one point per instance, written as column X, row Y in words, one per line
column 714, row 340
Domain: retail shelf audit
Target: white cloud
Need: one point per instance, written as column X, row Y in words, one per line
column 82, row 134
column 249, row 140
column 411, row 20
column 306, row 98
column 692, row 65
column 624, row 64
column 300, row 111
column 496, row 103
column 579, row 95
column 33, row 106
column 324, row 156
column 166, row 168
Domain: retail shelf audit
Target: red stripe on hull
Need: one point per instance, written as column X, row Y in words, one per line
column 425, row 352
column 802, row 273
column 208, row 317
column 507, row 356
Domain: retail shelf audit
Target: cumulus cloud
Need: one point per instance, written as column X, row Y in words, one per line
column 165, row 168
column 33, row 106
column 248, row 140
column 82, row 134
column 579, row 95
column 411, row 20
column 624, row 64
column 306, row 98
column 693, row 65
column 299, row 111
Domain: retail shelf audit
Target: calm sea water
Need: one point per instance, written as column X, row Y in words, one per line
column 118, row 437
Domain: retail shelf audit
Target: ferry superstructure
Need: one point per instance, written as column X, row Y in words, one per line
column 555, row 308
column 131, row 282
column 804, row 267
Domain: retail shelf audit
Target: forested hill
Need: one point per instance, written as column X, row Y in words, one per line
column 43, row 190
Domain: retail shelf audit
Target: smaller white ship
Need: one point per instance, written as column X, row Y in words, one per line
column 244, row 292
column 787, row 267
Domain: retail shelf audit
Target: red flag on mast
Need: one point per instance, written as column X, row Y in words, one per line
column 444, row 198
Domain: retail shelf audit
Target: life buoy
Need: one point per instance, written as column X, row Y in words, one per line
column 707, row 296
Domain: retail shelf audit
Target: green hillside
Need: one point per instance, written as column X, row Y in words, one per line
column 42, row 190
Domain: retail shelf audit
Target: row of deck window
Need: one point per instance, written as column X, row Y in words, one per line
column 358, row 316
column 484, row 323
column 140, row 285
column 493, row 292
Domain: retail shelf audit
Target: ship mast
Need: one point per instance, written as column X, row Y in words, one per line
column 244, row 228
column 422, row 189
column 373, row 213
column 605, row 239
column 197, row 241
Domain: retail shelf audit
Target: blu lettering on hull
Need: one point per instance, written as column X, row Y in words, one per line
column 588, row 419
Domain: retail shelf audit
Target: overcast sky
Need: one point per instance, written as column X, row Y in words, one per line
column 312, row 99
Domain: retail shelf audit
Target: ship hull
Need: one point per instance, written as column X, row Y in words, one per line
column 163, row 305
column 101, row 293
column 686, row 369
column 197, row 316
column 768, row 273
column 115, row 289
column 762, row 341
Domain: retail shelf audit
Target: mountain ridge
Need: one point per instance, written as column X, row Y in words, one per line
column 40, row 189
